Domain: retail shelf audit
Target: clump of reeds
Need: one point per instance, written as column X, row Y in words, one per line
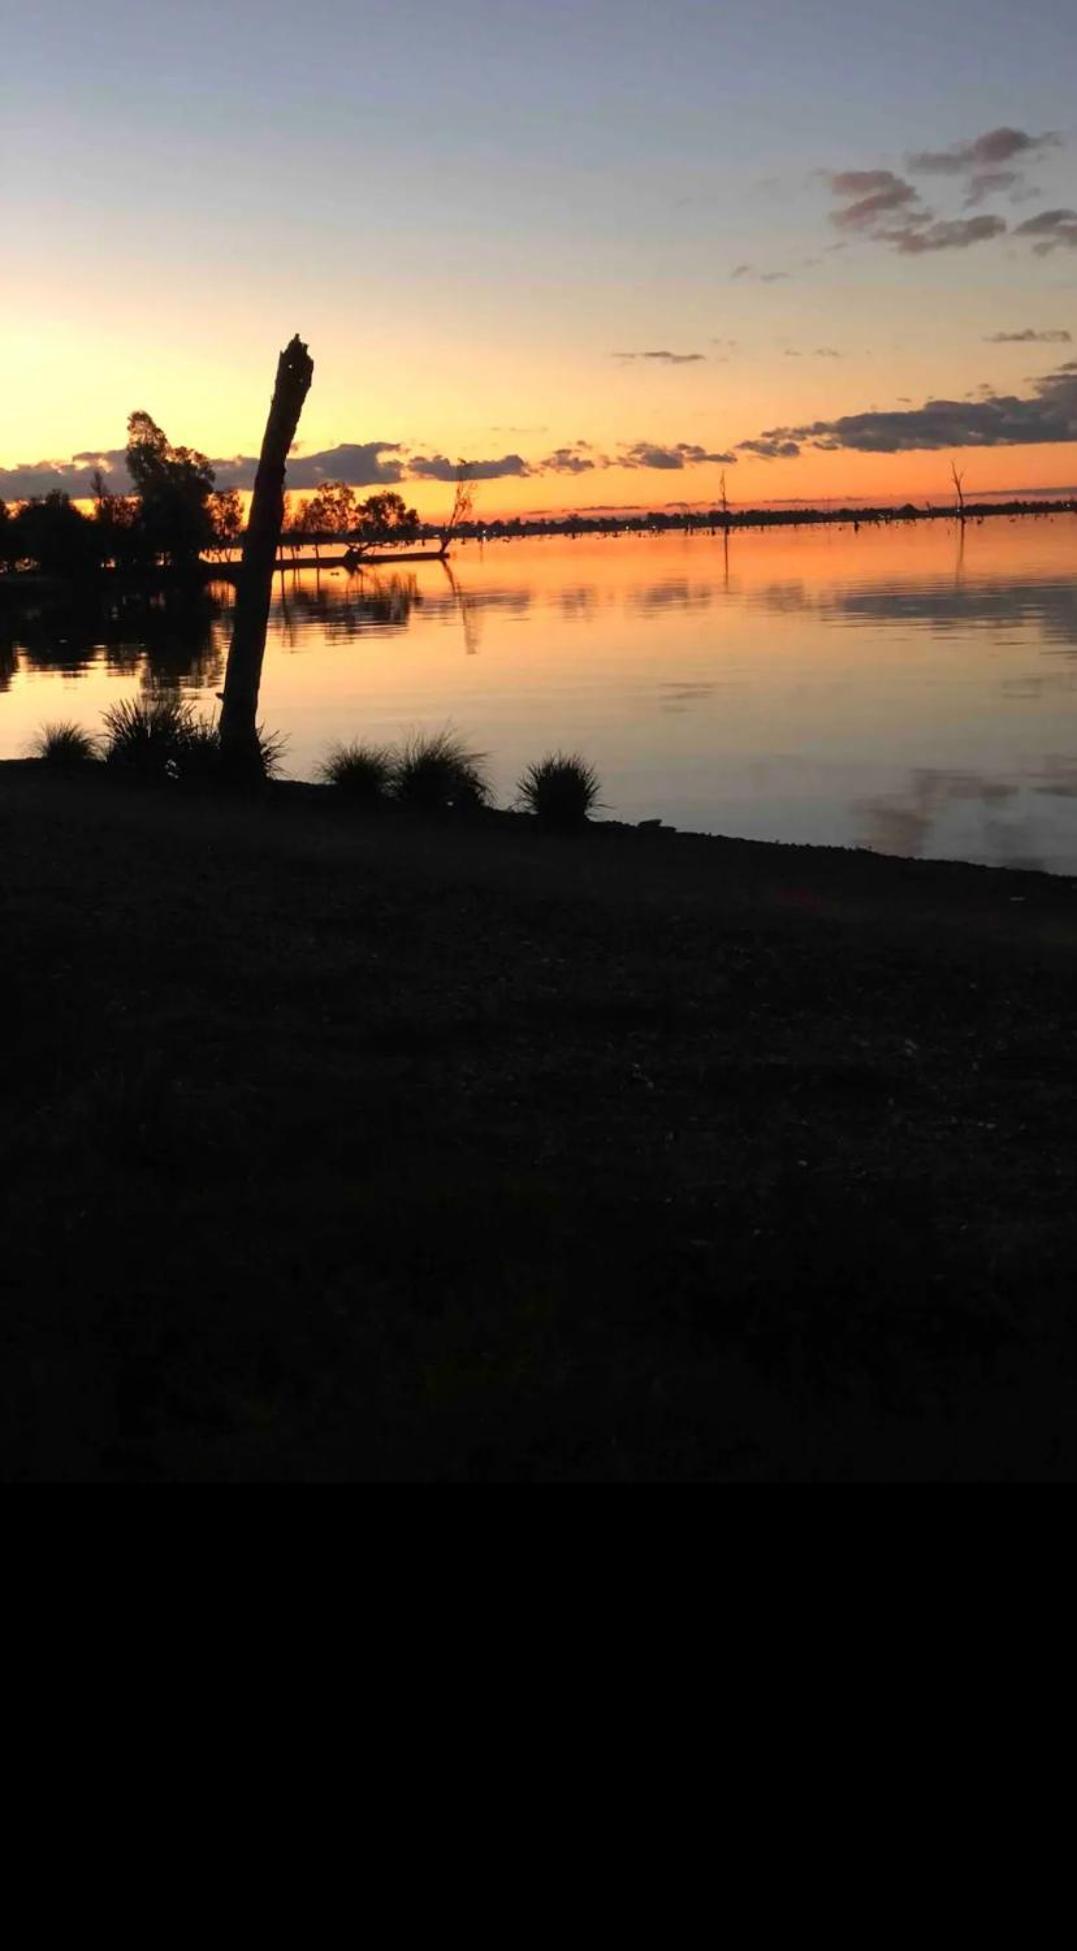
column 199, row 755
column 365, row 772
column 436, row 773
column 561, row 790
column 148, row 735
column 65, row 746
column 162, row 737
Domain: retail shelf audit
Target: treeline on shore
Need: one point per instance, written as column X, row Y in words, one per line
column 177, row 521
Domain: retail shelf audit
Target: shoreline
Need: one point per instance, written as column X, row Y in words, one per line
column 500, row 827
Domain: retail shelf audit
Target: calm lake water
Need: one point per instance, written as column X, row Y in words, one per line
column 906, row 689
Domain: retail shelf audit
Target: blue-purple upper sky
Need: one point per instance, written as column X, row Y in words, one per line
column 483, row 216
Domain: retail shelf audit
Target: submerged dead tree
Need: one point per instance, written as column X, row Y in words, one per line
column 239, row 711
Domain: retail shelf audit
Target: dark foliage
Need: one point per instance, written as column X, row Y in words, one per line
column 162, row 737
column 365, row 772
column 55, row 537
column 173, row 485
column 561, row 790
column 149, row 736
column 65, row 746
column 436, row 773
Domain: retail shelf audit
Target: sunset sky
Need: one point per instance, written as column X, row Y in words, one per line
column 593, row 246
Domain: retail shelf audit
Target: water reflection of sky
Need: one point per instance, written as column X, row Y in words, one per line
column 898, row 690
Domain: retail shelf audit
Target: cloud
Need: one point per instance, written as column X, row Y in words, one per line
column 1046, row 417
column 111, row 457
column 992, row 182
column 954, row 234
column 879, row 204
column 75, row 477
column 985, row 153
column 646, row 453
column 569, row 460
column 1029, row 337
column 759, row 277
column 360, row 464
column 665, row 358
column 769, row 449
column 438, row 467
column 890, row 194
column 861, row 182
column 1054, row 229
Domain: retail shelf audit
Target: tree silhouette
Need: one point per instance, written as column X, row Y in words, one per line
column 51, row 532
column 118, row 519
column 333, row 510
column 386, row 518
column 173, row 486
column 225, row 511
column 241, row 748
column 463, row 506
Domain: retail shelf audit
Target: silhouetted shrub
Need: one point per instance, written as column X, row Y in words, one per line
column 162, row 737
column 199, row 754
column 148, row 736
column 365, row 772
column 561, row 790
column 436, row 774
column 65, row 746
column 54, row 535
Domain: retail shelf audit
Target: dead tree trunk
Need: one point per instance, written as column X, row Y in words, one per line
column 239, row 711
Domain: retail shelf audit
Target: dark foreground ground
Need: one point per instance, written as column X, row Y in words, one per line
column 336, row 1149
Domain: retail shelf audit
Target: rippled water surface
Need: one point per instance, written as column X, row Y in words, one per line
column 904, row 689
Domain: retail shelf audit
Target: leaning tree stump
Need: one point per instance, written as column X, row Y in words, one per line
column 240, row 750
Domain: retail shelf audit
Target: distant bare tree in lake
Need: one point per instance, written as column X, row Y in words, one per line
column 463, row 507
column 959, row 486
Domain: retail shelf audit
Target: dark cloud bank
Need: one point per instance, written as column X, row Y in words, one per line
column 368, row 464
column 1047, row 416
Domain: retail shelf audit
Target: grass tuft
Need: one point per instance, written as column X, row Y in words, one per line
column 367, row 773
column 561, row 790
column 162, row 737
column 199, row 756
column 436, row 773
column 65, row 746
column 148, row 736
